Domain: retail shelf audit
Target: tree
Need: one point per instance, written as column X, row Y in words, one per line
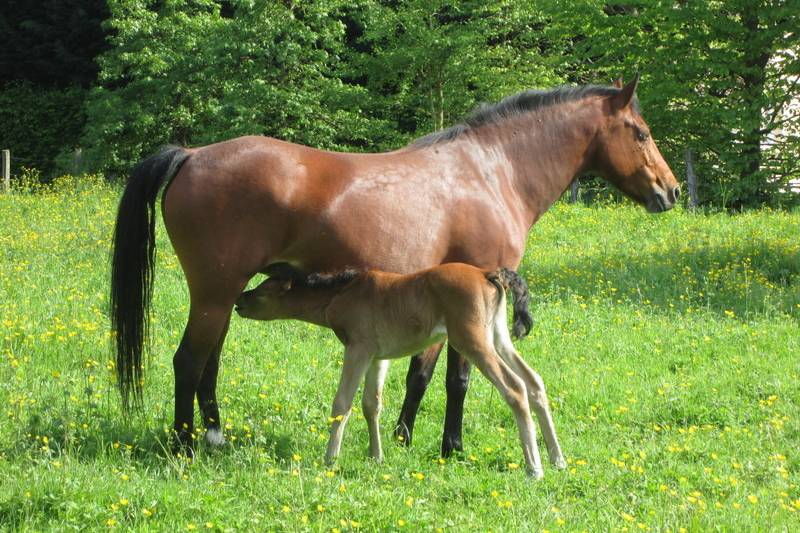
column 189, row 72
column 433, row 60
column 47, row 61
column 716, row 77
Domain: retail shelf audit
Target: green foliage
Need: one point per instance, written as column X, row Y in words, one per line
column 39, row 124
column 182, row 72
column 717, row 77
column 431, row 62
column 52, row 43
column 668, row 345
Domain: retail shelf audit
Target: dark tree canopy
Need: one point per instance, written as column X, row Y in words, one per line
column 52, row 42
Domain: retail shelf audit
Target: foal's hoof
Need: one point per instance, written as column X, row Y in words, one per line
column 559, row 463
column 536, row 474
column 214, row 437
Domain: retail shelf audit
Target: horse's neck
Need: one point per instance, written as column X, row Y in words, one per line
column 547, row 149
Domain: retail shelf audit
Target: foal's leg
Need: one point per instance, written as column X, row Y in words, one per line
column 512, row 389
column 371, row 403
column 456, row 383
column 536, row 394
column 419, row 375
column 356, row 363
column 207, row 394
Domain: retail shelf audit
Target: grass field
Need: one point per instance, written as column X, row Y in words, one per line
column 669, row 345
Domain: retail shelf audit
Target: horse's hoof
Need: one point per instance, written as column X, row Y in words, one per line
column 214, row 437
column 559, row 463
column 536, row 474
column 402, row 436
column 183, row 445
column 451, row 445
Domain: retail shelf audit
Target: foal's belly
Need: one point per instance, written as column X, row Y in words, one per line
column 394, row 345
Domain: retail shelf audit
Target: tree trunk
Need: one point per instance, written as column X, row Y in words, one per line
column 757, row 55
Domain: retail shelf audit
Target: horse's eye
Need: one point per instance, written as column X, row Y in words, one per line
column 641, row 136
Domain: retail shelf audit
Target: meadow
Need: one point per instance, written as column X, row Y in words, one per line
column 669, row 345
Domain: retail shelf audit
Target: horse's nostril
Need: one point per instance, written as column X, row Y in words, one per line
column 676, row 192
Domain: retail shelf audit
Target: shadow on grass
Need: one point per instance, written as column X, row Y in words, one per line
column 133, row 438
column 753, row 277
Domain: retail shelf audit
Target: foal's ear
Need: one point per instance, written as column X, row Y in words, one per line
column 623, row 98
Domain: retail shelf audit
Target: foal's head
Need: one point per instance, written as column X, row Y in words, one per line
column 629, row 158
column 293, row 294
column 264, row 302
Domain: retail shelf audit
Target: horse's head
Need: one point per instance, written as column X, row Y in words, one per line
column 263, row 302
column 628, row 156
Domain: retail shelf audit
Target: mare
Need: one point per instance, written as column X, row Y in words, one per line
column 467, row 194
column 380, row 316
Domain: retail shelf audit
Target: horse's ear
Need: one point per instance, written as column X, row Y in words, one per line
column 618, row 83
column 623, row 98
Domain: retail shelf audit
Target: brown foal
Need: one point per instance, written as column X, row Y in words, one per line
column 380, row 316
column 468, row 194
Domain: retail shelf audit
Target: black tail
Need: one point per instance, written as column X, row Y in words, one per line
column 504, row 278
column 133, row 262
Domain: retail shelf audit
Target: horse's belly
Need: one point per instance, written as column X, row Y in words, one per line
column 399, row 345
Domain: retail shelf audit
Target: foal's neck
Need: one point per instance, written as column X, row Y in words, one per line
column 308, row 304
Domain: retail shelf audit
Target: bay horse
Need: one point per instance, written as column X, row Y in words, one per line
column 467, row 194
column 380, row 316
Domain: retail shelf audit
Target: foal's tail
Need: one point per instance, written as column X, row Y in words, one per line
column 503, row 279
column 133, row 263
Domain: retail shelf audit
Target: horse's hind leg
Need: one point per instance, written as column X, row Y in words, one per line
column 512, row 389
column 209, row 315
column 536, row 393
column 207, row 394
column 419, row 375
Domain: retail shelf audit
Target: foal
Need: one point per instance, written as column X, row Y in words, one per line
column 380, row 316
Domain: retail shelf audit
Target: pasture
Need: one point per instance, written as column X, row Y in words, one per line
column 669, row 344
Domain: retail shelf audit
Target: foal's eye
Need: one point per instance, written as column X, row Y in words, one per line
column 641, row 136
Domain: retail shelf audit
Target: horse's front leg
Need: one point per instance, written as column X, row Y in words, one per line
column 419, row 375
column 371, row 403
column 456, row 384
column 355, row 365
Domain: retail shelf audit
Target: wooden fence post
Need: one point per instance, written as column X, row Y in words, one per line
column 691, row 179
column 6, row 170
column 77, row 162
column 573, row 191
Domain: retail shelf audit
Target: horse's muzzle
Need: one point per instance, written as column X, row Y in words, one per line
column 661, row 201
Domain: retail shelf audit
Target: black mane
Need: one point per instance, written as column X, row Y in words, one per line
column 514, row 106
column 328, row 280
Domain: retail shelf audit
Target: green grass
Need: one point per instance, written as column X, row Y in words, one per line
column 669, row 345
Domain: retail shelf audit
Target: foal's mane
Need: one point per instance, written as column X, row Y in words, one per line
column 328, row 280
column 514, row 106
